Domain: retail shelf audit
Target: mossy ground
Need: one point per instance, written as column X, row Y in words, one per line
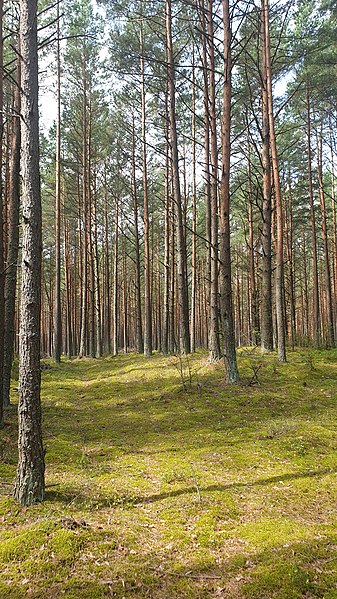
column 156, row 491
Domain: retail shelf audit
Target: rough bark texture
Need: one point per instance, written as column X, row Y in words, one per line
column 2, row 261
column 13, row 241
column 266, row 298
column 232, row 373
column 29, row 487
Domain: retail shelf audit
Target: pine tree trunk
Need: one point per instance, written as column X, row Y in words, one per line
column 13, row 240
column 139, row 325
column 147, row 258
column 266, row 299
column 2, row 258
column 328, row 290
column 115, row 284
column 232, row 374
column 30, row 486
column 57, row 306
column 279, row 273
column 315, row 290
column 214, row 341
column 184, row 334
column 106, row 303
column 194, row 217
column 166, row 329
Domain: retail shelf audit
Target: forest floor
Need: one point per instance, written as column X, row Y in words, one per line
column 163, row 482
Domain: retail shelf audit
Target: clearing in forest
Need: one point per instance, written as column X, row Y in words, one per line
column 163, row 482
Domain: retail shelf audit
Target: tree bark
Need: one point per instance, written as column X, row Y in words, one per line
column 184, row 334
column 266, row 299
column 30, row 485
column 139, row 325
column 315, row 290
column 57, row 306
column 232, row 374
column 13, row 240
column 147, row 258
column 214, row 341
column 279, row 273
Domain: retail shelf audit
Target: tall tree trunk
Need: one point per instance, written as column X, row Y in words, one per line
column 106, row 303
column 266, row 299
column 207, row 175
column 30, row 485
column 86, row 225
column 214, row 341
column 97, row 282
column 328, row 290
column 166, row 329
column 194, row 216
column 315, row 290
column 68, row 284
column 147, row 258
column 13, row 239
column 57, row 306
column 184, row 334
column 139, row 325
column 232, row 373
column 254, row 319
column 2, row 258
column 279, row 273
column 115, row 284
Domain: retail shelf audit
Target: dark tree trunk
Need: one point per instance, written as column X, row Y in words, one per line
column 2, row 258
column 13, row 240
column 266, row 299
column 232, row 373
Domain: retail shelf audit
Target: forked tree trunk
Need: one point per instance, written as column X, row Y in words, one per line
column 30, row 485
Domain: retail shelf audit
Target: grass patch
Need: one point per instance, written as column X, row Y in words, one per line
column 160, row 488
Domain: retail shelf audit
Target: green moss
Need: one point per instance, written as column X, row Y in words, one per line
column 284, row 581
column 18, row 547
column 64, row 545
column 153, row 491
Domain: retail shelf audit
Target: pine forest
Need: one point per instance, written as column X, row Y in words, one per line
column 168, row 299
